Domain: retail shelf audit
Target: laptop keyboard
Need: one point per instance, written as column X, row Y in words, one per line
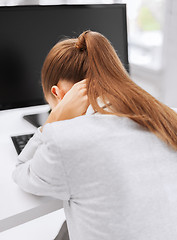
column 20, row 141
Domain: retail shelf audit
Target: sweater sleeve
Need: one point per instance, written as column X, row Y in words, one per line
column 39, row 169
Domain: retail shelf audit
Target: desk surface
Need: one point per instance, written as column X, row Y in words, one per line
column 16, row 206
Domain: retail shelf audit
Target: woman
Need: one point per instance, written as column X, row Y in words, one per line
column 108, row 148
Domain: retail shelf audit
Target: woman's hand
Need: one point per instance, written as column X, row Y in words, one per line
column 74, row 104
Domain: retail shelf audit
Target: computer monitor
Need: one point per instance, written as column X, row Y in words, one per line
column 27, row 33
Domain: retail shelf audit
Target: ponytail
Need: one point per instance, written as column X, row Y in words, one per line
column 92, row 56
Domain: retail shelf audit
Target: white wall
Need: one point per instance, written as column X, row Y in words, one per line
column 18, row 2
column 170, row 54
column 163, row 83
column 74, row 1
column 52, row 2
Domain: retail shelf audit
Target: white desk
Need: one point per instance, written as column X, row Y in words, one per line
column 16, row 206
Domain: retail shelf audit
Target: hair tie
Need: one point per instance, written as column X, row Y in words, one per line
column 81, row 44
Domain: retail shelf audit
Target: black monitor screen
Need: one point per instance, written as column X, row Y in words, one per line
column 27, row 33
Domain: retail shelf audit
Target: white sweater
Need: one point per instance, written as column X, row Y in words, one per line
column 118, row 181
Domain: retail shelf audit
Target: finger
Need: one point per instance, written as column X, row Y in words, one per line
column 84, row 86
column 83, row 91
column 81, row 81
column 81, row 86
column 86, row 98
column 84, row 81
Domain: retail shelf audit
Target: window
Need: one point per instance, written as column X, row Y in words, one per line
column 145, row 20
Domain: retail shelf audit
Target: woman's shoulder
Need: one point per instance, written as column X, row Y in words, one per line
column 92, row 126
column 121, row 132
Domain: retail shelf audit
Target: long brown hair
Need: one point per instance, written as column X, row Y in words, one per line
column 92, row 56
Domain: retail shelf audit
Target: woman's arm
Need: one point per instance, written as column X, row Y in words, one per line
column 42, row 173
column 39, row 169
